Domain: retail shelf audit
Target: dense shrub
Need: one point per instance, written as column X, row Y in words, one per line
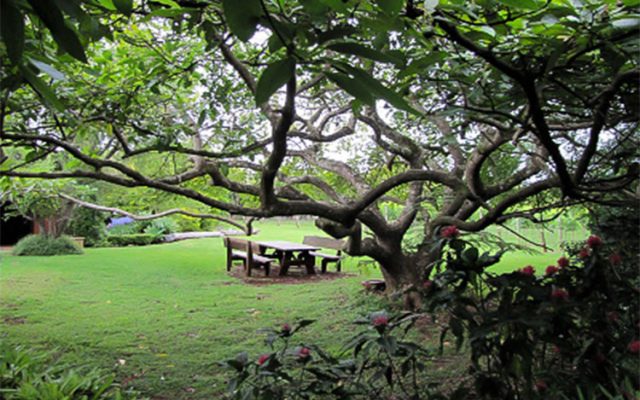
column 87, row 223
column 161, row 226
column 45, row 245
column 136, row 239
column 27, row 375
column 569, row 331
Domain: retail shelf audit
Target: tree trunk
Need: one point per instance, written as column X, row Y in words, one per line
column 402, row 277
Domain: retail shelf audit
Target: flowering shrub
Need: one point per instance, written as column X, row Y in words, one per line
column 572, row 332
column 377, row 363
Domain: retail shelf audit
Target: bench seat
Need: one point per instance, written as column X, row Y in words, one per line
column 242, row 255
column 331, row 257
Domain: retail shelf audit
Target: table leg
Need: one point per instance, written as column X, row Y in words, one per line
column 309, row 262
column 284, row 263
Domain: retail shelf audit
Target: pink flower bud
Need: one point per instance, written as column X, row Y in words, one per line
column 528, row 270
column 450, row 232
column 263, row 358
column 380, row 320
column 560, row 294
column 563, row 262
column 551, row 269
column 594, row 241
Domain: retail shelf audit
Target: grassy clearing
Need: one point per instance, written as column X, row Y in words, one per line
column 170, row 311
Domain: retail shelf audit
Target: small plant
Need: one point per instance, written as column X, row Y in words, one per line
column 45, row 245
column 378, row 363
column 28, row 375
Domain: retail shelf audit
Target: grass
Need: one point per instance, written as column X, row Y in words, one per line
column 165, row 314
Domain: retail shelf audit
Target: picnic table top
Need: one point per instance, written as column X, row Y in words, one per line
column 283, row 245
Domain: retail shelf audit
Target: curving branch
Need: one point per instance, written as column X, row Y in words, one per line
column 245, row 228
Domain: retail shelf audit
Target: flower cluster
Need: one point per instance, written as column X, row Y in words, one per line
column 450, row 232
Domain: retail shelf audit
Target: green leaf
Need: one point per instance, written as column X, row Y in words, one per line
column 391, row 6
column 242, row 17
column 631, row 3
column 64, row 36
column 379, row 90
column 366, row 52
column 124, row 6
column 273, row 78
column 526, row 4
column 47, row 69
column 42, row 88
column 353, row 87
column 12, row 30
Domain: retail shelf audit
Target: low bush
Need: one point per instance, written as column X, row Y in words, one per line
column 136, row 239
column 161, row 226
column 25, row 374
column 89, row 224
column 45, row 245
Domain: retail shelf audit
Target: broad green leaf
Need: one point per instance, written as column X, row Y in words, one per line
column 392, row 7
column 631, row 3
column 379, row 90
column 631, row 21
column 430, row 5
column 12, row 30
column 42, row 89
column 64, row 36
column 366, row 52
column 242, row 17
column 169, row 3
column 526, row 4
column 47, row 69
column 124, row 6
column 353, row 87
column 314, row 7
column 273, row 78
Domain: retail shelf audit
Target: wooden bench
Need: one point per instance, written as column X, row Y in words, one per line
column 248, row 252
column 326, row 243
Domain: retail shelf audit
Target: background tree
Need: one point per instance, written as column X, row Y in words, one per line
column 464, row 114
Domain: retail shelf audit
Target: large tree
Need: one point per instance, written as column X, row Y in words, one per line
column 385, row 114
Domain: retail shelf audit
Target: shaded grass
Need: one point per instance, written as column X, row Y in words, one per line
column 165, row 314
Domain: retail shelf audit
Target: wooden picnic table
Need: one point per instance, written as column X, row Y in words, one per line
column 289, row 253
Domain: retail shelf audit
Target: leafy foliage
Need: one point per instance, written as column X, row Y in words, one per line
column 26, row 374
column 45, row 245
column 89, row 224
column 569, row 331
column 133, row 239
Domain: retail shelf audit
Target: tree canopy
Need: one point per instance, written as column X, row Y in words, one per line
column 444, row 112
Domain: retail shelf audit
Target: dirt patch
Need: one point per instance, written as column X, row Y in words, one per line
column 14, row 320
column 294, row 276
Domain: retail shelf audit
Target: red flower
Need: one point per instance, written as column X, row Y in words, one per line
column 563, row 262
column 541, row 385
column 528, row 270
column 615, row 259
column 304, row 352
column 380, row 320
column 634, row 347
column 450, row 232
column 584, row 253
column 559, row 294
column 263, row 358
column 594, row 241
column 427, row 284
column 286, row 328
column 551, row 269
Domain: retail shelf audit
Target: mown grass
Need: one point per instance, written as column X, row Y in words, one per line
column 165, row 314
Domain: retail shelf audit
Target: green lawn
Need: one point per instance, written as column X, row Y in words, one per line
column 171, row 311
